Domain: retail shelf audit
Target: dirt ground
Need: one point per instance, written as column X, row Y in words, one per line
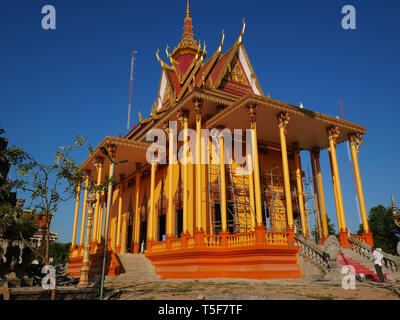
column 228, row 289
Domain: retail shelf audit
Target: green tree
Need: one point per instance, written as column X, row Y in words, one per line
column 331, row 227
column 47, row 184
column 385, row 232
column 59, row 252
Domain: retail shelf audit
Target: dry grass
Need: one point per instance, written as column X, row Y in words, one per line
column 190, row 290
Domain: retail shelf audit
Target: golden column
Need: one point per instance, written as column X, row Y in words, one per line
column 183, row 117
column 78, row 197
column 85, row 197
column 260, row 229
column 333, row 134
column 316, row 153
column 300, row 192
column 172, row 162
column 136, row 223
column 198, row 105
column 334, row 191
column 252, row 111
column 101, row 217
column 199, row 231
column 251, row 191
column 98, row 163
column 210, row 164
column 84, row 278
column 283, row 122
column 112, row 150
column 316, row 196
column 204, row 180
column 356, row 141
column 223, row 181
column 119, row 222
column 152, row 215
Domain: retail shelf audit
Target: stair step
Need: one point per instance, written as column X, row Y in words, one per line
column 135, row 267
column 359, row 268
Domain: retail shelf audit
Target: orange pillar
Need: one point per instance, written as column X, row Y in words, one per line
column 78, row 197
column 316, row 152
column 316, row 197
column 300, row 193
column 354, row 138
column 198, row 104
column 183, row 117
column 333, row 133
column 172, row 161
column 334, row 191
column 152, row 215
column 99, row 161
column 85, row 197
column 223, row 181
column 119, row 221
column 283, row 121
column 260, row 229
column 136, row 223
column 251, row 191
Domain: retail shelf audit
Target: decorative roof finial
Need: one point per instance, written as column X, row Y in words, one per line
column 187, row 10
column 242, row 33
column 394, row 207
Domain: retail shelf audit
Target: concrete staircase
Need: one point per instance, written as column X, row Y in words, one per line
column 134, row 268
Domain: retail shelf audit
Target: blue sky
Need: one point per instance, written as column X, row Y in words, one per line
column 56, row 84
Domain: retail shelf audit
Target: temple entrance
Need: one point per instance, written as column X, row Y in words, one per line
column 143, row 236
column 129, row 244
column 179, row 224
column 161, row 223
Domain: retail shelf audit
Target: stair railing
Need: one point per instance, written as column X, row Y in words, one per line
column 316, row 253
column 389, row 262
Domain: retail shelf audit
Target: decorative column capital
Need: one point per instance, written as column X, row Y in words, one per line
column 183, row 116
column 283, row 119
column 333, row 133
column 138, row 167
column 166, row 127
column 112, row 150
column 198, row 106
column 356, row 138
column 252, row 111
column 98, row 162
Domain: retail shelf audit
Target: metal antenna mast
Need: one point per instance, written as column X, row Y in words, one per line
column 128, row 126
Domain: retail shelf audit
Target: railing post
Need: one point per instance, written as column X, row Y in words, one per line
column 224, row 239
column 184, row 240
column 260, row 232
column 199, row 239
column 168, row 242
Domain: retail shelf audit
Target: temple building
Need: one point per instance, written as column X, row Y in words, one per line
column 212, row 216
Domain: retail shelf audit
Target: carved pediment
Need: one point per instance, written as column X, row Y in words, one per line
column 235, row 73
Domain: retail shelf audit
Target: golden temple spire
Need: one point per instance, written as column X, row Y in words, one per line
column 187, row 45
column 187, row 10
column 394, row 207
